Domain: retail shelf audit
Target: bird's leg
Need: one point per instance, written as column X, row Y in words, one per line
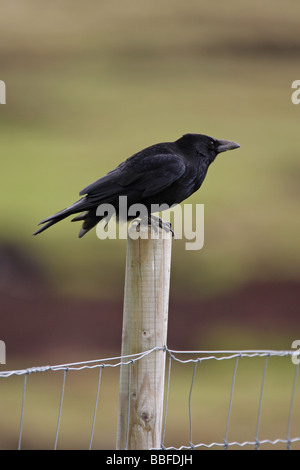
column 146, row 221
column 157, row 222
column 137, row 222
column 140, row 221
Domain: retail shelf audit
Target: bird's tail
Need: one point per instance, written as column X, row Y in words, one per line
column 90, row 219
column 48, row 224
column 78, row 206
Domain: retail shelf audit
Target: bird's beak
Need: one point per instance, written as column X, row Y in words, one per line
column 224, row 145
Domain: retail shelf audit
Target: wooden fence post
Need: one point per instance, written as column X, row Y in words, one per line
column 145, row 321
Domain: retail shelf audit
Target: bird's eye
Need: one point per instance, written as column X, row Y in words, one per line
column 212, row 144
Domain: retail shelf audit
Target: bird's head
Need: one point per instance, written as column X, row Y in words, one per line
column 204, row 146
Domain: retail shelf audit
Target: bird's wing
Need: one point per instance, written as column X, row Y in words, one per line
column 147, row 174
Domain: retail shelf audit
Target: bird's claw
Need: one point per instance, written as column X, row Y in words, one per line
column 155, row 223
column 166, row 226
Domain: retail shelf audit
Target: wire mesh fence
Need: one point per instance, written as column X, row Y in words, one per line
column 213, row 399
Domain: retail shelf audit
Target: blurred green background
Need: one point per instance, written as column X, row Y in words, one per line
column 89, row 84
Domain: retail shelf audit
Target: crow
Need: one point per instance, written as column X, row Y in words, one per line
column 165, row 173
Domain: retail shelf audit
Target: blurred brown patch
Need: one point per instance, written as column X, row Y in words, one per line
column 45, row 325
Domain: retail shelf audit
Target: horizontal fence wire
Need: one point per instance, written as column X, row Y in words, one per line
column 124, row 360
column 180, row 357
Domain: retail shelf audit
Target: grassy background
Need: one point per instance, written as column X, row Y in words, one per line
column 89, row 84
column 88, row 88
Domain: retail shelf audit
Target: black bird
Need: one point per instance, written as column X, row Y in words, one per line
column 165, row 173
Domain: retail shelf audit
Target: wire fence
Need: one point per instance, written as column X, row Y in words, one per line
column 195, row 381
